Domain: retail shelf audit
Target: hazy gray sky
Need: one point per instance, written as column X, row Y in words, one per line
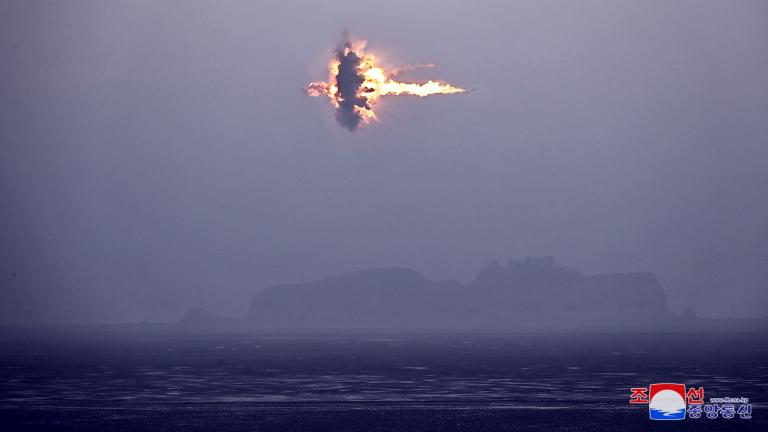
column 159, row 155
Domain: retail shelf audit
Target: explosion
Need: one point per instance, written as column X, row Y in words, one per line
column 356, row 82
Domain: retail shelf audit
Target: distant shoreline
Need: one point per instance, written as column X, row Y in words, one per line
column 717, row 326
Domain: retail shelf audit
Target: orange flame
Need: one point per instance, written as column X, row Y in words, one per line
column 376, row 82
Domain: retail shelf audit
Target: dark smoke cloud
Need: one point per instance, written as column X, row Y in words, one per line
column 349, row 81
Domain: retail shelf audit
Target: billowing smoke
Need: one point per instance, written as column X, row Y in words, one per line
column 349, row 81
column 355, row 83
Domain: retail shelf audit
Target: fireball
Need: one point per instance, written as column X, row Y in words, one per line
column 356, row 82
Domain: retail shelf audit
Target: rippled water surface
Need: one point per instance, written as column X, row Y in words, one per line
column 118, row 381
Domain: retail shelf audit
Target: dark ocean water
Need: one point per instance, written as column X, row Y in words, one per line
column 117, row 381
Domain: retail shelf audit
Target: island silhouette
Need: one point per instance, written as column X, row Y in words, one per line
column 533, row 293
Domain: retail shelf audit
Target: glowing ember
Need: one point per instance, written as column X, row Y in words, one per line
column 356, row 82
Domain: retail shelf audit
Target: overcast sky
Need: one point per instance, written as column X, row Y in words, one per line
column 160, row 155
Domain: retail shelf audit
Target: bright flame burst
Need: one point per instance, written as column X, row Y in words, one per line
column 356, row 82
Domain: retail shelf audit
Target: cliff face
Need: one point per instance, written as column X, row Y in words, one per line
column 530, row 293
column 635, row 293
column 537, row 287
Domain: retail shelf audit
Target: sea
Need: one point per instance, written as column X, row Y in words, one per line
column 115, row 380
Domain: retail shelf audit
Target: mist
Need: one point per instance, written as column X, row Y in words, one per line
column 157, row 156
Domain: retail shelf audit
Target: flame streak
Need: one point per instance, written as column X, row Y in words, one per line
column 356, row 82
